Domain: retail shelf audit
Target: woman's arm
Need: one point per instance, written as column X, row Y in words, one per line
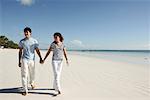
column 65, row 54
column 48, row 52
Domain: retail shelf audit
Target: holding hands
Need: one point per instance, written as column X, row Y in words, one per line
column 41, row 61
column 48, row 52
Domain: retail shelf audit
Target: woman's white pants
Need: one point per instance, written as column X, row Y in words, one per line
column 57, row 67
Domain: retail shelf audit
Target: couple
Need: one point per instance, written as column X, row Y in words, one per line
column 27, row 46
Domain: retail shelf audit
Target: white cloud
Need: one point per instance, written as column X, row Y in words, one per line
column 77, row 43
column 140, row 46
column 26, row 2
column 147, row 46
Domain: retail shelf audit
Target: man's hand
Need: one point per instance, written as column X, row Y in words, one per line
column 39, row 54
column 19, row 64
column 20, row 55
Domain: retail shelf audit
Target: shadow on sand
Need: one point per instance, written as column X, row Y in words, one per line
column 17, row 90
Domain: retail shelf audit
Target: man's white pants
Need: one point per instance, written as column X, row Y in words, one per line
column 57, row 67
column 27, row 72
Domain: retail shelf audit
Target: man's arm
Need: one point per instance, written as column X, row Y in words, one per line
column 20, row 55
column 39, row 54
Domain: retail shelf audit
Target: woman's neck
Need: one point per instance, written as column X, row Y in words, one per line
column 58, row 42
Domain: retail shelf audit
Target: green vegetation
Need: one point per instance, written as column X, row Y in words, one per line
column 6, row 43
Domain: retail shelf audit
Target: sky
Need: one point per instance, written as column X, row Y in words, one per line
column 85, row 24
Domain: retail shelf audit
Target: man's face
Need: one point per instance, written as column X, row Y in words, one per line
column 27, row 34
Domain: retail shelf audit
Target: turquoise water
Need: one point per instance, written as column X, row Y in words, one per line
column 141, row 57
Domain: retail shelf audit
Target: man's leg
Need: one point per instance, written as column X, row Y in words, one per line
column 32, row 73
column 24, row 74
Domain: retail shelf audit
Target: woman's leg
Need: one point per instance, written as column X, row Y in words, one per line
column 57, row 67
column 54, row 65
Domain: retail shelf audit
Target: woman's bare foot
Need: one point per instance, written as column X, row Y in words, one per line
column 59, row 92
column 32, row 86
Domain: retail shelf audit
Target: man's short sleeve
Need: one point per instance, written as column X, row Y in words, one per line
column 36, row 44
column 20, row 44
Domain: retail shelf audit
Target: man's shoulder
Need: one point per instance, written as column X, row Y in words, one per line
column 22, row 40
column 33, row 39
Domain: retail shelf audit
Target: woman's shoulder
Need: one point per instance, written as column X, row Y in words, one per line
column 52, row 44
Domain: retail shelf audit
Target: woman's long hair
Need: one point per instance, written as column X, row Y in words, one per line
column 60, row 36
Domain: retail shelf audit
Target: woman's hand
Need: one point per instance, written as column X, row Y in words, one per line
column 67, row 62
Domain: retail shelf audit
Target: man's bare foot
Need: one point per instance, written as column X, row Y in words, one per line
column 24, row 93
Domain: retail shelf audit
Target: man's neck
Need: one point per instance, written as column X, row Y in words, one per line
column 27, row 38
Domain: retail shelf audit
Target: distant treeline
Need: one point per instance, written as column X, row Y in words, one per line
column 6, row 43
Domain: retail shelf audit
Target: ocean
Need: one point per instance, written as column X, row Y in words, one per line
column 141, row 57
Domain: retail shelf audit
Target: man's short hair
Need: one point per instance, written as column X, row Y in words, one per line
column 27, row 29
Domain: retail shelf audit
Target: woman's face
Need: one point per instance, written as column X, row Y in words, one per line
column 57, row 38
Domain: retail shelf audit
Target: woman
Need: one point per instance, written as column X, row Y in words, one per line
column 59, row 50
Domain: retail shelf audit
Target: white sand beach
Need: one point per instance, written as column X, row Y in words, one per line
column 87, row 78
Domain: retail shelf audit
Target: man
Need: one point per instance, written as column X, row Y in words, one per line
column 27, row 46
